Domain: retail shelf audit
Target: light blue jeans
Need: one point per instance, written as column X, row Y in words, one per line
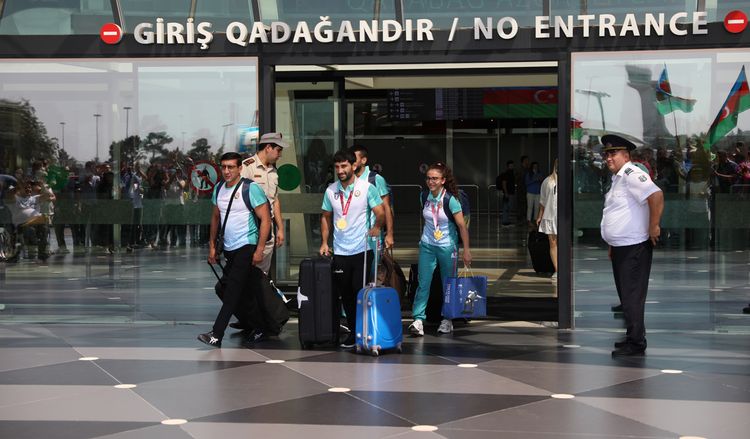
column 429, row 257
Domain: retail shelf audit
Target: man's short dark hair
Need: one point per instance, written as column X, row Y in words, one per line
column 361, row 149
column 344, row 155
column 231, row 156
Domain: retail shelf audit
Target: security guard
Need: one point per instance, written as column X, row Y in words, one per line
column 630, row 225
column 261, row 168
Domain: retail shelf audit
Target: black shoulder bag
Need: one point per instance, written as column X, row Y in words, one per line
column 219, row 244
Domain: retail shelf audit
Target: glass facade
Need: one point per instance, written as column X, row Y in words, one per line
column 65, row 17
column 105, row 156
column 125, row 145
column 699, row 275
column 292, row 11
column 442, row 13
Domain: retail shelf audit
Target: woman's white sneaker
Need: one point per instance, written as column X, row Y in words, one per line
column 446, row 327
column 417, row 328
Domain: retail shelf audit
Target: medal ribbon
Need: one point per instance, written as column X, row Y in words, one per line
column 345, row 209
column 435, row 207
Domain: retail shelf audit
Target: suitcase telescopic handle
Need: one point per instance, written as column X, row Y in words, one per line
column 375, row 262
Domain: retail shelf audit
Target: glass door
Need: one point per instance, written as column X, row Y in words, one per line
column 307, row 115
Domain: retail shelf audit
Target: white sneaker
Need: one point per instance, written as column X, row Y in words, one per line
column 446, row 326
column 417, row 328
column 554, row 277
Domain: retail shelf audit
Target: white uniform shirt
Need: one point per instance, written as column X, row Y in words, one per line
column 626, row 214
column 266, row 177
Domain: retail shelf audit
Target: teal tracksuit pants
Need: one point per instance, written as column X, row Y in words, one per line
column 429, row 257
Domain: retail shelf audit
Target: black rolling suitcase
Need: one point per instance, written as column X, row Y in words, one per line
column 272, row 304
column 247, row 312
column 319, row 308
column 538, row 244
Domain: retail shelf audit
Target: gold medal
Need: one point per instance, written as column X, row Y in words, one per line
column 438, row 234
column 341, row 223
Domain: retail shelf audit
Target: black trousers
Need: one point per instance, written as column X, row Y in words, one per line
column 631, row 265
column 347, row 281
column 240, row 280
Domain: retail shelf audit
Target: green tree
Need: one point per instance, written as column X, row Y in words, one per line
column 130, row 149
column 200, row 150
column 156, row 143
column 23, row 135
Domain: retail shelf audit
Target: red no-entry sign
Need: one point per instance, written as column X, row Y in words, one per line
column 735, row 22
column 110, row 33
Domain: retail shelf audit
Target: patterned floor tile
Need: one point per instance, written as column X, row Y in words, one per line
column 106, row 404
column 65, row 429
column 141, row 371
column 563, row 417
column 212, row 430
column 205, row 394
column 323, row 409
column 70, row 373
column 668, row 386
column 715, row 420
column 428, row 408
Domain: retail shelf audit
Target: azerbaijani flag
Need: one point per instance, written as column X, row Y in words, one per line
column 576, row 128
column 737, row 101
column 666, row 102
column 520, row 102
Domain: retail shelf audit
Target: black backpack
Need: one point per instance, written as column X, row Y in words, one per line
column 372, row 176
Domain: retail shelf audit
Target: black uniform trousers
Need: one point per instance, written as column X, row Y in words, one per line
column 631, row 265
column 240, row 279
column 347, row 281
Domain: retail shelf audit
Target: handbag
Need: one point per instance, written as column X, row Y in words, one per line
column 391, row 275
column 465, row 296
column 219, row 243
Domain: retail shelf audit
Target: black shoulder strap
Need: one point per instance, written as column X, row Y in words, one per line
column 447, row 206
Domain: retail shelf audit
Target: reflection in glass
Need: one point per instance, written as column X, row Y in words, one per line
column 134, row 178
column 62, row 17
column 146, row 11
column 310, row 11
column 669, row 104
column 443, row 13
column 640, row 7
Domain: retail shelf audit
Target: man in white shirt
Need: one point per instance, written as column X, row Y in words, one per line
column 245, row 226
column 347, row 206
column 630, row 225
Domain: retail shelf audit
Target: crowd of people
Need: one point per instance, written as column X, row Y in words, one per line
column 155, row 209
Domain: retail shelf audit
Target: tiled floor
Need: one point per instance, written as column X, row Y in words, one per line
column 47, row 391
column 139, row 313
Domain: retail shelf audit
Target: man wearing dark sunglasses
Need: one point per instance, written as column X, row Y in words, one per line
column 630, row 225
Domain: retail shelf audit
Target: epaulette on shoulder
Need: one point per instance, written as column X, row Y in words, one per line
column 628, row 171
column 248, row 161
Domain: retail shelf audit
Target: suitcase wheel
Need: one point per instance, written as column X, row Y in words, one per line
column 399, row 349
column 374, row 352
column 359, row 349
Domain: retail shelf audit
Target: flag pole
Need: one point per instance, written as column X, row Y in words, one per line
column 671, row 109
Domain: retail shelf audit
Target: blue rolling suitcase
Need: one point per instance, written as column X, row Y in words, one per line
column 378, row 318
